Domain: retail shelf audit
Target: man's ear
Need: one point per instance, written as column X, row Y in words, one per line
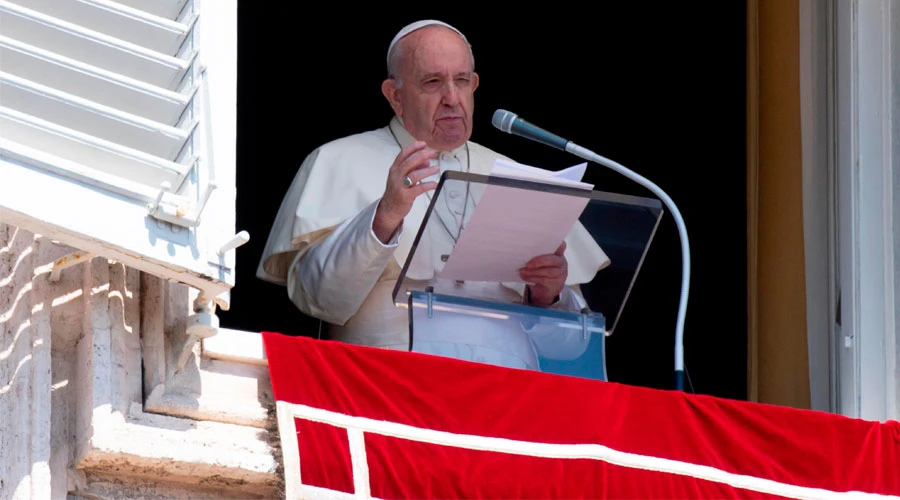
column 474, row 81
column 392, row 94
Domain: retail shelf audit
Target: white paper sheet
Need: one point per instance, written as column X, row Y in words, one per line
column 567, row 177
column 510, row 226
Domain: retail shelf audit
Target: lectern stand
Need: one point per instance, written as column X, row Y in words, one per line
column 485, row 320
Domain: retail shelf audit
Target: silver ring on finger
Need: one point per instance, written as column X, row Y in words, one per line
column 407, row 181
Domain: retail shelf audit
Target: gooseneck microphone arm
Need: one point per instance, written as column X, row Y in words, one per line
column 510, row 123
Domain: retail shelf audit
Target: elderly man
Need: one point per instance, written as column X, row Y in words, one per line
column 348, row 221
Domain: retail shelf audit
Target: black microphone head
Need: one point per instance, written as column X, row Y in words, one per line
column 503, row 120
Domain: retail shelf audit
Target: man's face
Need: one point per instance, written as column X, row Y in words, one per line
column 436, row 97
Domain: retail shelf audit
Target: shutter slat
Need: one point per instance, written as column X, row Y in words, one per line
column 66, row 168
column 93, row 48
column 119, row 21
column 91, row 118
column 90, row 151
column 170, row 9
column 93, row 83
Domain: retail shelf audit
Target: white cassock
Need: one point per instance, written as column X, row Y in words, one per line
column 323, row 249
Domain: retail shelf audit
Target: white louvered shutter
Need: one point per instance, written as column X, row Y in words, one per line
column 117, row 131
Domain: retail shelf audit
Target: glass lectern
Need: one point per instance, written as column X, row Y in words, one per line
column 461, row 310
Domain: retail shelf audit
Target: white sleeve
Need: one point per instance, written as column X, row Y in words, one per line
column 563, row 344
column 333, row 276
column 570, row 299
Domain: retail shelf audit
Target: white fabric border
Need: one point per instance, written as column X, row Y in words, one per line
column 525, row 448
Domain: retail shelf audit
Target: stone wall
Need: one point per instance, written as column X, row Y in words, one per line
column 74, row 413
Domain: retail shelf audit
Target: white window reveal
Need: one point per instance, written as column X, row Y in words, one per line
column 117, row 135
column 867, row 38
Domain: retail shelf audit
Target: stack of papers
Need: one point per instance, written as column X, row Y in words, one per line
column 512, row 225
column 567, row 177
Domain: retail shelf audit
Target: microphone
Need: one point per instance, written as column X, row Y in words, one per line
column 511, row 123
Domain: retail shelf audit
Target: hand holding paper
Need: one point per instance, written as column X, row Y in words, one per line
column 546, row 275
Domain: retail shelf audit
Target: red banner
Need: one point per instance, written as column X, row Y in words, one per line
column 378, row 423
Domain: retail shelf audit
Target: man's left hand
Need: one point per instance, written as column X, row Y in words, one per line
column 546, row 277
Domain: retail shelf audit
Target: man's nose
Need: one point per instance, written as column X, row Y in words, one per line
column 450, row 94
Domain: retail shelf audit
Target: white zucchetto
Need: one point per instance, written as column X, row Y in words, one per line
column 409, row 28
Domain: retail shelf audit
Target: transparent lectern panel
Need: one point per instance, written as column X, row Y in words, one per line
column 624, row 227
column 621, row 226
column 508, row 335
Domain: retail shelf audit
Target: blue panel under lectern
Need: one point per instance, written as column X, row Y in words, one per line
column 510, row 335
